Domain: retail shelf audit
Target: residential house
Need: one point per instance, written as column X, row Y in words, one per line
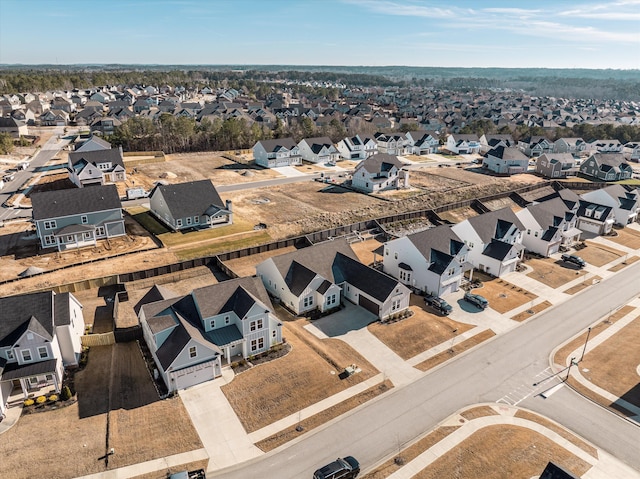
column 549, row 226
column 625, row 203
column 632, row 150
column 392, row 143
column 351, row 148
column 77, row 217
column 595, row 218
column 318, row 150
column 39, row 337
column 575, row 146
column 96, row 167
column 105, row 126
column 489, row 142
column 54, row 118
column 535, row 146
column 506, row 161
column 606, row 146
column 463, row 144
column 607, row 167
column 92, row 143
column 432, row 261
column 422, row 142
column 380, row 172
column 494, row 240
column 189, row 336
column 14, row 127
column 277, row 152
column 195, row 204
column 26, row 116
column 556, row 165
column 320, row 276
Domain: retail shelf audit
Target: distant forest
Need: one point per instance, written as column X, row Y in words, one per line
column 566, row 83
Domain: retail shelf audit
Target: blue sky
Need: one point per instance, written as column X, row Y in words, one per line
column 492, row 33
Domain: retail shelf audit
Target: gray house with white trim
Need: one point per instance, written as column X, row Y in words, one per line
column 195, row 204
column 77, row 217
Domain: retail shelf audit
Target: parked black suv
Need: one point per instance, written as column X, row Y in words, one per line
column 572, row 258
column 477, row 300
column 341, row 468
column 439, row 304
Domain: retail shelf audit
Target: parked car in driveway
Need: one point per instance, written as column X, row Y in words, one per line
column 439, row 304
column 573, row 259
column 477, row 300
column 342, row 468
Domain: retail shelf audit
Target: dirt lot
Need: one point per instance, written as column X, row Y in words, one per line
column 598, row 254
column 364, row 250
column 524, row 315
column 422, row 331
column 132, row 406
column 551, row 272
column 309, row 373
column 198, row 166
column 628, row 237
column 502, row 295
column 247, row 266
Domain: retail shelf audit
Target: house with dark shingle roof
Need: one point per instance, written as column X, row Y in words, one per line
column 77, row 217
column 320, row 276
column 464, row 144
column 494, row 240
column 556, row 165
column 318, row 150
column 607, row 167
column 392, row 143
column 506, row 161
column 352, row 148
column 535, row 146
column 595, row 218
column 190, row 336
column 422, row 142
column 195, row 204
column 39, row 336
column 96, row 167
column 380, row 172
column 277, row 152
column 549, row 225
column 624, row 202
column 432, row 261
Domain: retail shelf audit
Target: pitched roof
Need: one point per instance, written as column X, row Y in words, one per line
column 189, row 199
column 19, row 313
column 494, row 224
column 236, row 295
column 380, row 162
column 509, row 153
column 277, row 144
column 74, row 201
column 497, row 249
column 441, row 238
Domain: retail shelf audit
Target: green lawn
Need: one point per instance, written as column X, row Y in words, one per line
column 146, row 219
column 179, row 239
column 224, row 245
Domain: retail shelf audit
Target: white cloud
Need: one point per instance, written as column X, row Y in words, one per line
column 412, row 10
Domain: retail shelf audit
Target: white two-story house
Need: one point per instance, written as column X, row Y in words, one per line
column 278, row 152
column 463, row 144
column 318, row 150
column 625, row 203
column 432, row 261
column 494, row 240
column 380, row 172
column 352, row 148
column 96, row 167
column 506, row 161
column 422, row 142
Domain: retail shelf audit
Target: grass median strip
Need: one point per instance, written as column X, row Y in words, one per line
column 455, row 350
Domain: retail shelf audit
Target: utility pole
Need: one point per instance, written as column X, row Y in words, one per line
column 585, row 344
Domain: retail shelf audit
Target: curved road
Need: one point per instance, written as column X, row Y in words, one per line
column 485, row 374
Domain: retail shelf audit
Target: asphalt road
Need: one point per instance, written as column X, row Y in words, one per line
column 485, row 374
column 48, row 151
column 261, row 184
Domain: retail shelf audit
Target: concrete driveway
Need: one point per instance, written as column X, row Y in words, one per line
column 349, row 318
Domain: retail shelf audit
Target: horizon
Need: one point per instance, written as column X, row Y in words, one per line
column 569, row 34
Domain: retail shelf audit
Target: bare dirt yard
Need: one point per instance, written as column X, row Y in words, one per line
column 130, row 406
column 364, row 250
column 418, row 333
column 247, row 266
column 628, row 237
column 551, row 272
column 307, row 374
column 502, row 295
column 529, row 312
column 598, row 254
column 183, row 167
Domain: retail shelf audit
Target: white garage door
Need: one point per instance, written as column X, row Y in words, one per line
column 194, row 375
column 448, row 289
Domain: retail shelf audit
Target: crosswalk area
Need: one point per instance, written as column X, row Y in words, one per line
column 541, row 382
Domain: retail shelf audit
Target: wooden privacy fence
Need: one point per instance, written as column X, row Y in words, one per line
column 102, row 339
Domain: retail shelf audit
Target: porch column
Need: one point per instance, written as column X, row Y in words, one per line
column 25, row 392
column 55, row 383
column 227, row 353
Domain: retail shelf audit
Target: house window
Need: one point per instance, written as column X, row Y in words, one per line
column 451, row 271
column 43, row 352
column 49, row 240
column 257, row 344
column 196, row 220
column 252, row 326
column 528, row 232
column 535, row 234
column 87, row 236
column 395, row 304
column 254, row 345
column 49, row 225
column 227, row 320
column 84, row 219
column 49, row 377
column 178, row 223
column 395, row 255
column 188, row 220
column 308, row 301
column 259, row 323
column 69, row 239
column 331, row 300
column 33, row 380
column 10, row 355
column 212, row 323
column 192, row 352
column 100, row 231
column 26, row 355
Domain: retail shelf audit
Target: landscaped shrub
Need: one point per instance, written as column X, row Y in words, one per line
column 53, row 398
column 29, row 402
column 41, row 399
column 66, row 393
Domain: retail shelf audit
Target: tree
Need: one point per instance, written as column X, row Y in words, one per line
column 407, row 127
column 6, row 143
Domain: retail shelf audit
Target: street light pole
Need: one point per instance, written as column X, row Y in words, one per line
column 585, row 344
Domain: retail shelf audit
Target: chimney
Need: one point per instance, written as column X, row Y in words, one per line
column 230, row 208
